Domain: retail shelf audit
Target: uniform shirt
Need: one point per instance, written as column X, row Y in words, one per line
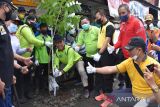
column 133, row 27
column 27, row 38
column 89, row 39
column 107, row 30
column 68, row 57
column 41, row 53
column 6, row 56
column 140, row 87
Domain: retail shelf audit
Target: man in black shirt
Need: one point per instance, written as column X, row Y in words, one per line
column 104, row 83
column 6, row 54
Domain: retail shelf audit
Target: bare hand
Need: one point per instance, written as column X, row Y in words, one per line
column 27, row 61
column 24, row 70
column 2, row 86
column 156, row 70
column 148, row 76
column 14, row 80
column 29, row 49
column 155, row 47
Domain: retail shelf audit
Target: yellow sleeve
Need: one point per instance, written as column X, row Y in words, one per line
column 80, row 39
column 122, row 66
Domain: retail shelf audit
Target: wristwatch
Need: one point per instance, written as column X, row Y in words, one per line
column 155, row 89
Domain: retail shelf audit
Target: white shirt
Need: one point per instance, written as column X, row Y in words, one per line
column 16, row 45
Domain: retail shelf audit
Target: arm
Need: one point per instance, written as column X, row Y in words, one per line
column 109, row 34
column 56, row 62
column 29, row 36
column 70, row 63
column 139, row 30
column 107, row 70
column 118, row 44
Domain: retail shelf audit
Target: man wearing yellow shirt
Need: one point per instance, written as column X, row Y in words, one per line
column 137, row 51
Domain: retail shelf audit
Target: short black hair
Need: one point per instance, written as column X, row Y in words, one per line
column 43, row 25
column 102, row 12
column 32, row 10
column 125, row 6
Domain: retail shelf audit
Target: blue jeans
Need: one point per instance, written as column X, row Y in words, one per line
column 7, row 102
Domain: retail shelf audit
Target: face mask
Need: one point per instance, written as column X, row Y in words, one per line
column 72, row 31
column 8, row 15
column 135, row 57
column 12, row 28
column 99, row 21
column 85, row 26
column 44, row 32
column 21, row 16
column 124, row 18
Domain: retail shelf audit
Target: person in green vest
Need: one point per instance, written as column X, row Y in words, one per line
column 42, row 59
column 27, row 39
column 88, row 36
column 66, row 55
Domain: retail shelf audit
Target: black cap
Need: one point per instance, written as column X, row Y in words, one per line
column 10, row 3
column 21, row 9
column 57, row 38
column 136, row 42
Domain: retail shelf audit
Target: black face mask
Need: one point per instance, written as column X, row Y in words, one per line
column 99, row 21
column 8, row 15
column 44, row 32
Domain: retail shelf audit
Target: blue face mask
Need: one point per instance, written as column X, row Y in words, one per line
column 124, row 18
column 12, row 28
column 85, row 26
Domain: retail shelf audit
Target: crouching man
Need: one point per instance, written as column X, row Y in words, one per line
column 66, row 55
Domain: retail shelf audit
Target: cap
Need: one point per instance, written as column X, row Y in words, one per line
column 57, row 38
column 135, row 42
column 10, row 3
column 149, row 17
column 21, row 9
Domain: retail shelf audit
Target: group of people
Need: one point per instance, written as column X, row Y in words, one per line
column 129, row 46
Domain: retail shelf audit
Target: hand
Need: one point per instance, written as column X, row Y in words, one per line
column 2, row 86
column 49, row 44
column 96, row 57
column 77, row 48
column 29, row 49
column 157, row 70
column 148, row 76
column 110, row 49
column 14, row 80
column 24, row 70
column 36, row 62
column 155, row 47
column 56, row 73
column 27, row 61
column 90, row 69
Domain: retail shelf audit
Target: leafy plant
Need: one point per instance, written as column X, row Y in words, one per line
column 60, row 14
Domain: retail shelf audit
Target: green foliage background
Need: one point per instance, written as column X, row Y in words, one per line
column 57, row 12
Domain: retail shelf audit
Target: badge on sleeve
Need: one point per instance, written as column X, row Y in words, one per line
column 2, row 30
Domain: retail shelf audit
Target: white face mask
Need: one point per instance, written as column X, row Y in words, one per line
column 135, row 57
column 12, row 28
